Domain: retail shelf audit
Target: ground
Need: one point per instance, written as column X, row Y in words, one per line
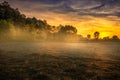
column 59, row 61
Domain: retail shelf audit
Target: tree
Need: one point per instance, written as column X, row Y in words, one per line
column 66, row 32
column 5, row 3
column 4, row 26
column 68, row 29
column 88, row 36
column 115, row 37
column 106, row 38
column 10, row 16
column 5, row 29
column 96, row 35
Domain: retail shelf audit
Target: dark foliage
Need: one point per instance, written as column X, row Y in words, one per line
column 13, row 15
column 11, row 18
column 96, row 35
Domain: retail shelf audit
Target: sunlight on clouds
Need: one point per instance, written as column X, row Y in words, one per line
column 86, row 18
column 85, row 24
column 105, row 27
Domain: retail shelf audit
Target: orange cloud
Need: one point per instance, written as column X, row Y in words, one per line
column 85, row 24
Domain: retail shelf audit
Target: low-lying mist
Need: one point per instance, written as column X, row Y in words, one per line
column 105, row 51
column 27, row 34
column 22, row 35
column 53, row 61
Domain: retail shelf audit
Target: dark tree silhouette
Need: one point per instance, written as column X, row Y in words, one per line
column 5, row 3
column 96, row 35
column 106, row 38
column 88, row 36
column 10, row 16
column 19, row 20
column 115, row 37
column 4, row 26
column 68, row 29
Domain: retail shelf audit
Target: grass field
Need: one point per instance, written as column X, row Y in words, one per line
column 59, row 61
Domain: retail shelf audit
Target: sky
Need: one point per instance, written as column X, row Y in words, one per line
column 87, row 16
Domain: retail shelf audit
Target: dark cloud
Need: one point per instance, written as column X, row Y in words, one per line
column 50, row 1
column 44, row 1
column 107, row 4
column 94, row 14
column 97, row 14
column 64, row 8
column 96, row 8
column 103, row 8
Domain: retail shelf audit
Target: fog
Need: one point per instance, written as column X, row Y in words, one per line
column 105, row 51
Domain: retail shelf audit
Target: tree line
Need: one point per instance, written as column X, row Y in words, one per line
column 97, row 34
column 14, row 25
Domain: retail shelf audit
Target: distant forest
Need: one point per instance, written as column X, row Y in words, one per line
column 16, row 26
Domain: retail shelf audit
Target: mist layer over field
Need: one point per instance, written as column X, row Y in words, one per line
column 102, row 50
column 59, row 61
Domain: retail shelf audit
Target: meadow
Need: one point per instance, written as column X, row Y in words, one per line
column 59, row 61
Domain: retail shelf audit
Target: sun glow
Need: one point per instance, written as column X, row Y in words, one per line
column 105, row 34
column 102, row 25
column 108, row 26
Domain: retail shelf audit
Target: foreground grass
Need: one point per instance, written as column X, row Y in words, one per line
column 47, row 67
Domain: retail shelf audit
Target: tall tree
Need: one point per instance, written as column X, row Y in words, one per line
column 115, row 37
column 88, row 36
column 96, row 35
column 68, row 29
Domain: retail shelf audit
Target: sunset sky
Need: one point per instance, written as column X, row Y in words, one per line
column 87, row 16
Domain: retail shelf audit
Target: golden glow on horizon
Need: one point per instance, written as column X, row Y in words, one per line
column 105, row 27
column 85, row 24
column 105, row 34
